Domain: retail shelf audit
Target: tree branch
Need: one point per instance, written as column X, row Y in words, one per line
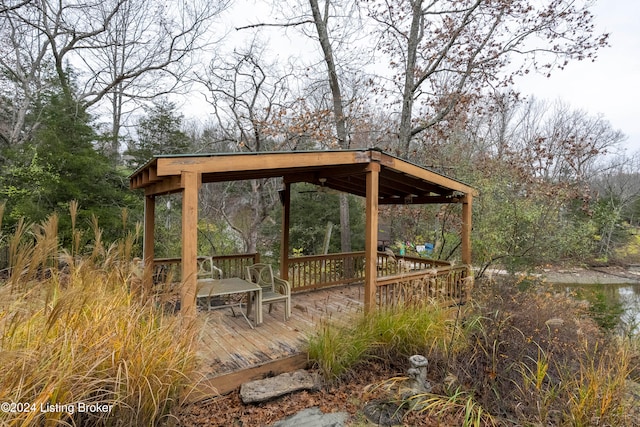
column 267, row 24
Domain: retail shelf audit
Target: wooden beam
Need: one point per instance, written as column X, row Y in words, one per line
column 371, row 237
column 191, row 183
column 343, row 170
column 422, row 200
column 395, row 181
column 143, row 177
column 467, row 205
column 293, row 178
column 351, row 186
column 286, row 216
column 148, row 243
column 257, row 162
column 134, row 181
column 224, row 384
column 214, row 176
column 329, row 172
column 167, row 185
column 148, row 176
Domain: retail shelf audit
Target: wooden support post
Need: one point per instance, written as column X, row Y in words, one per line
column 286, row 216
column 371, row 237
column 148, row 243
column 188, row 290
column 467, row 202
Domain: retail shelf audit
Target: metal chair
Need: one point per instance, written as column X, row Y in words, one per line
column 206, row 270
column 274, row 289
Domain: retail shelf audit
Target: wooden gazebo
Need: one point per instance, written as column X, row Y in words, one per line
column 377, row 176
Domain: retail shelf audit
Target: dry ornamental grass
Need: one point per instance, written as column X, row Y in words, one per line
column 77, row 346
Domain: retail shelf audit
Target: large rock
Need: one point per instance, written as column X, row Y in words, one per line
column 314, row 417
column 269, row 388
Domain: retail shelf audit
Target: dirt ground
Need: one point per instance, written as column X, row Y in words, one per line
column 348, row 396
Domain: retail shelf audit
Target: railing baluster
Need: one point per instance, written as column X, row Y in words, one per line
column 448, row 284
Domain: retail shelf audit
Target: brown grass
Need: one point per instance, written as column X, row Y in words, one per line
column 71, row 333
column 536, row 357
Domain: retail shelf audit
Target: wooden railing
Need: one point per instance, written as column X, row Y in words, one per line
column 388, row 265
column 403, row 280
column 319, row 271
column 165, row 269
column 449, row 285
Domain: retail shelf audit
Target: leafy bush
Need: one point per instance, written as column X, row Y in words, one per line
column 605, row 313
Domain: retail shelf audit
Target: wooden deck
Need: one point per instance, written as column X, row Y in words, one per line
column 231, row 352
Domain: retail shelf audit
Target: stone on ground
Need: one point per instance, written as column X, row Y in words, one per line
column 314, row 417
column 270, row 388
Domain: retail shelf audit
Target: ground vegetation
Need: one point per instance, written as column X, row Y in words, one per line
column 520, row 354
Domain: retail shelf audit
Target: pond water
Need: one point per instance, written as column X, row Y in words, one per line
column 622, row 300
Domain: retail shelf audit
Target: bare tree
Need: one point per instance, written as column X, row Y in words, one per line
column 555, row 144
column 618, row 188
column 445, row 53
column 26, row 71
column 123, row 49
column 246, row 95
column 320, row 20
column 8, row 5
column 335, row 24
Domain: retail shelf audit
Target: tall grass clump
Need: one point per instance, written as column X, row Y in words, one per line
column 72, row 334
column 537, row 358
column 454, row 407
column 337, row 349
column 388, row 334
column 459, row 406
column 596, row 394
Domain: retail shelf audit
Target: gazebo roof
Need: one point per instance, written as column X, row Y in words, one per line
column 400, row 182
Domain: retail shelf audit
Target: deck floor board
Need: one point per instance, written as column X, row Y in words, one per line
column 227, row 343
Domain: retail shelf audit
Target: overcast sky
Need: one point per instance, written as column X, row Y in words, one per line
column 610, row 86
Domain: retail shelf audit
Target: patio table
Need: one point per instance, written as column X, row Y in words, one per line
column 208, row 288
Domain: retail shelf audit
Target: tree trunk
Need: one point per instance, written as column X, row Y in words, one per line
column 345, row 232
column 341, row 128
column 404, row 132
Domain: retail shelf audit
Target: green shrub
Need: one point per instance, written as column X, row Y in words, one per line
column 605, row 313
